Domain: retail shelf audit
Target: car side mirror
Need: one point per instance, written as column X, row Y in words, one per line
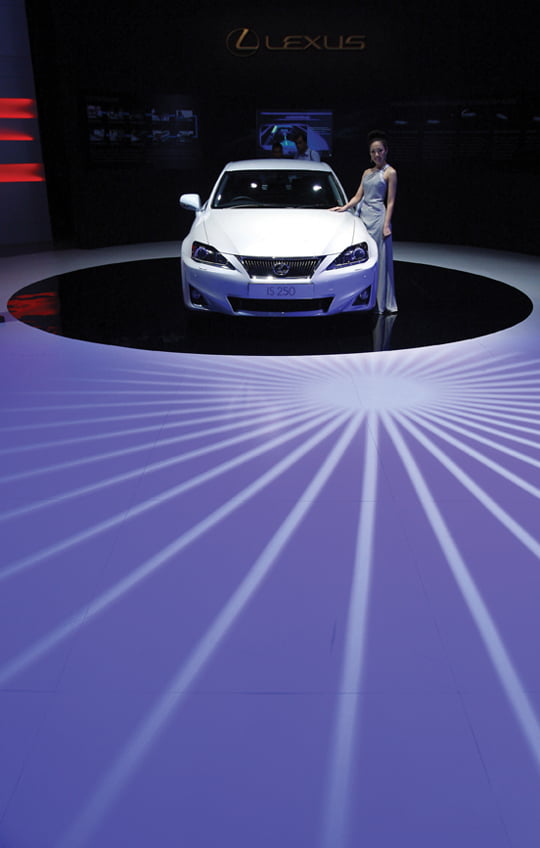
column 191, row 201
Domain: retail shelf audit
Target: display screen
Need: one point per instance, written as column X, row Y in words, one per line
column 281, row 127
column 124, row 130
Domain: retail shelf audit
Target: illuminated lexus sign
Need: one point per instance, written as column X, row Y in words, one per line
column 247, row 42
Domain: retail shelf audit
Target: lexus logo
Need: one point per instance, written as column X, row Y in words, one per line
column 281, row 269
column 243, row 42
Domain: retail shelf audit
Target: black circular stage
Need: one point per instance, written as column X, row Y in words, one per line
column 138, row 304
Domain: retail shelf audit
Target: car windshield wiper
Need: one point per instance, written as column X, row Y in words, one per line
column 239, row 205
column 312, row 206
column 246, row 205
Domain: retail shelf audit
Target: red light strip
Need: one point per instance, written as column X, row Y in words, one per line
column 17, row 107
column 15, row 135
column 22, row 173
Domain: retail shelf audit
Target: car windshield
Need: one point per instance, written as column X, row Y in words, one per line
column 278, row 189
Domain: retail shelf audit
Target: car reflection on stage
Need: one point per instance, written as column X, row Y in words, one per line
column 138, row 304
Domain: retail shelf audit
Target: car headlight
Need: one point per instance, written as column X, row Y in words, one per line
column 353, row 255
column 209, row 255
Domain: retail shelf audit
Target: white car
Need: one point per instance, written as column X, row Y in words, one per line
column 266, row 243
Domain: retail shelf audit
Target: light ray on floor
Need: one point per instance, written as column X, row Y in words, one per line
column 272, row 420
column 210, row 413
column 494, row 427
column 427, row 421
column 300, row 427
column 475, row 431
column 459, row 370
column 491, row 638
column 94, row 420
column 162, row 557
column 502, row 415
column 336, row 809
column 504, row 518
column 156, row 720
column 236, row 416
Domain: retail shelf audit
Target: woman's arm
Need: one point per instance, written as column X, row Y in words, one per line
column 390, row 201
column 356, row 198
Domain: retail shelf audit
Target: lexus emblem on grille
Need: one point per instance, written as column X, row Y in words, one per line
column 281, row 269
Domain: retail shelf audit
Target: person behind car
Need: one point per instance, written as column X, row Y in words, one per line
column 277, row 150
column 302, row 149
column 376, row 195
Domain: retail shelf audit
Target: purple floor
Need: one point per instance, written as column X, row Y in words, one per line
column 270, row 602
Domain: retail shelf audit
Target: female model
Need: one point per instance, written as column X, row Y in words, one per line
column 377, row 195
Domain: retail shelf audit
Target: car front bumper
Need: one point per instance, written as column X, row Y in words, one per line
column 233, row 292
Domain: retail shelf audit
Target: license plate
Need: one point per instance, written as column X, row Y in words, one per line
column 279, row 291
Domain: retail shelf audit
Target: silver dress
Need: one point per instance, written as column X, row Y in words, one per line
column 372, row 213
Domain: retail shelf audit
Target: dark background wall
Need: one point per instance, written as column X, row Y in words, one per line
column 455, row 85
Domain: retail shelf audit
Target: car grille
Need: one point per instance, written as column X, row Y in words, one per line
column 280, row 268
column 272, row 305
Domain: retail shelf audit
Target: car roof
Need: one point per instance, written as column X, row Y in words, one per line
column 277, row 165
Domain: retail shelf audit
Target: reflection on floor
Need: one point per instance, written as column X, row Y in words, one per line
column 270, row 600
column 139, row 304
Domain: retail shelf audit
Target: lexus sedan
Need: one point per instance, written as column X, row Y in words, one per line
column 266, row 243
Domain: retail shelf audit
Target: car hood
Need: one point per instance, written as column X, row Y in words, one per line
column 279, row 232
